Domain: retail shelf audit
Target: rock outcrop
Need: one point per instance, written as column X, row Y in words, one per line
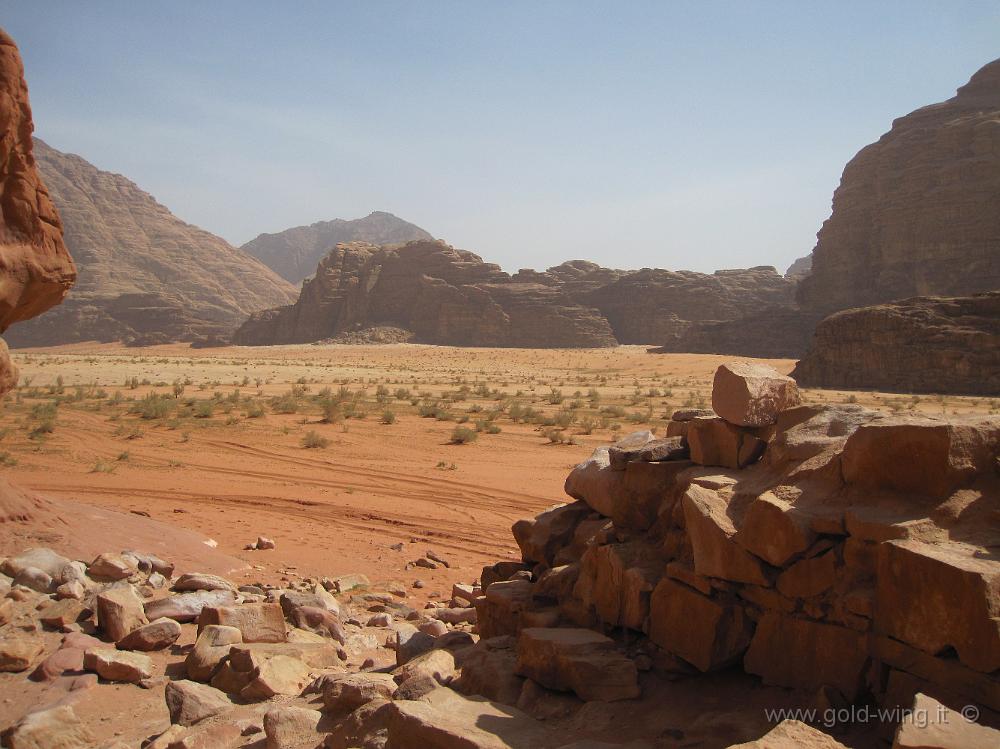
column 294, row 253
column 660, row 306
column 441, row 294
column 145, row 275
column 36, row 270
column 831, row 560
column 448, row 296
column 922, row 345
column 913, row 215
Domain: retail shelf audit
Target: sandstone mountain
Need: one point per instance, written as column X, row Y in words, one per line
column 145, row 275
column 448, row 296
column 915, row 213
column 441, row 294
column 920, row 345
column 294, row 253
column 801, row 268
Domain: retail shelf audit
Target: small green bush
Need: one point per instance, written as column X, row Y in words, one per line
column 463, row 435
column 312, row 440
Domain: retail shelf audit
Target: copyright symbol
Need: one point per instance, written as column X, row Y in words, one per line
column 970, row 713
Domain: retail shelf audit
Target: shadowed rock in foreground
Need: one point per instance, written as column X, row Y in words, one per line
column 922, row 345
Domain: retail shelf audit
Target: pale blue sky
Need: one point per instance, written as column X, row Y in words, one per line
column 696, row 135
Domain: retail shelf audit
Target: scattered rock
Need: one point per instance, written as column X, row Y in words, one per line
column 117, row 665
column 119, row 611
column 189, row 702
column 53, row 728
column 156, row 635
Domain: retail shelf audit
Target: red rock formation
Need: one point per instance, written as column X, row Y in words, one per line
column 922, row 345
column 36, row 269
column 915, row 212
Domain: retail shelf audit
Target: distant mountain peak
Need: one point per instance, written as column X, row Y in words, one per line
column 294, row 253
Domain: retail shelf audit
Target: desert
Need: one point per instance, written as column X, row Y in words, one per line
column 296, row 481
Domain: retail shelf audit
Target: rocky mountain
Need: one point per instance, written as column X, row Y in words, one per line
column 915, row 213
column 441, row 294
column 294, row 253
column 920, row 345
column 145, row 275
column 448, row 296
column 801, row 268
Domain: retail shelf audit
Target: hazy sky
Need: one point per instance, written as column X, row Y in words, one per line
column 696, row 135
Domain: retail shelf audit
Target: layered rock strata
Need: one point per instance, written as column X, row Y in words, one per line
column 448, row 296
column 145, row 276
column 921, row 345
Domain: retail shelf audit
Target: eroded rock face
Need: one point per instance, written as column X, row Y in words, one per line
column 443, row 295
column 450, row 296
column 36, row 270
column 912, row 215
column 145, row 276
column 921, row 345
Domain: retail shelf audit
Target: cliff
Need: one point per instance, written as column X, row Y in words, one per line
column 915, row 213
column 920, row 345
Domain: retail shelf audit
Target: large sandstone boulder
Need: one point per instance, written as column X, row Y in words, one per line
column 189, row 702
column 792, row 734
column 258, row 622
column 711, row 532
column 921, row 455
column 119, row 611
column 577, row 660
column 53, row 728
column 444, row 718
column 931, row 725
column 792, row 652
column 920, row 587
column 707, row 633
column 749, row 394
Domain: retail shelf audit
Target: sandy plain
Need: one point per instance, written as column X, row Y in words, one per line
column 211, row 441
